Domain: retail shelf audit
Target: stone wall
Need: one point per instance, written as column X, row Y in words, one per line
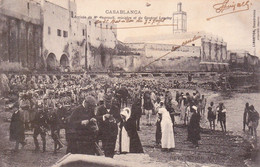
column 185, row 58
column 20, row 42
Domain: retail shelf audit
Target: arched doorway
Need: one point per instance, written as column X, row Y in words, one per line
column 64, row 61
column 51, row 62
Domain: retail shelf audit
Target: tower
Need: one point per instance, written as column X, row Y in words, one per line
column 179, row 20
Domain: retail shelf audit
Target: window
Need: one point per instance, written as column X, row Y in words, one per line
column 83, row 32
column 28, row 5
column 71, row 13
column 100, row 25
column 106, row 26
column 95, row 24
column 49, row 30
column 110, row 27
column 65, row 34
column 89, row 23
column 58, row 32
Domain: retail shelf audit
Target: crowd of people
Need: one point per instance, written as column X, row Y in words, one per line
column 102, row 114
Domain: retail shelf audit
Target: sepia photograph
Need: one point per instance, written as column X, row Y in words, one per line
column 129, row 83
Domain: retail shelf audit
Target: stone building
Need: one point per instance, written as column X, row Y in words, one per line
column 128, row 57
column 243, row 60
column 213, row 53
column 40, row 35
column 20, row 34
column 101, row 41
column 160, row 57
column 56, row 35
column 76, row 42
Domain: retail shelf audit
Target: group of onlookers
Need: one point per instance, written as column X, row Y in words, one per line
column 108, row 111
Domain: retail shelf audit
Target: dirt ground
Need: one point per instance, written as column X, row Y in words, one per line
column 214, row 148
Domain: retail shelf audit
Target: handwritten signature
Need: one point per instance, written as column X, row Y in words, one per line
column 227, row 7
column 145, row 21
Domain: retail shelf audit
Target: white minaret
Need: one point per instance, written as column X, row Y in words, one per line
column 179, row 20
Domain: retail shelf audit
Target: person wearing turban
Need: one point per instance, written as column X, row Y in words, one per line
column 167, row 139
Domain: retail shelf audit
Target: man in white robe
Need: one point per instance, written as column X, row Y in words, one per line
column 167, row 140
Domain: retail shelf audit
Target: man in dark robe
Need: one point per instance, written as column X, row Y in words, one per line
column 108, row 128
column 147, row 106
column 245, row 116
column 124, row 95
column 83, row 128
column 137, row 110
column 109, row 136
column 62, row 114
column 194, row 127
column 54, row 126
column 100, row 115
column 158, row 133
column 40, row 127
column 115, row 110
column 118, row 95
column 17, row 130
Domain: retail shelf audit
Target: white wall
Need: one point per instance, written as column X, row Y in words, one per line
column 55, row 17
column 98, row 36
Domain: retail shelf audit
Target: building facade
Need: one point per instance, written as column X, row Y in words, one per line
column 101, row 41
column 243, row 60
column 214, row 55
column 21, row 34
column 40, row 35
column 76, row 42
column 160, row 57
column 56, row 35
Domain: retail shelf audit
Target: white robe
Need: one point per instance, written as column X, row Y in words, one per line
column 125, row 141
column 167, row 140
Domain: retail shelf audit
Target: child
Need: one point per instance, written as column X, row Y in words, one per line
column 211, row 116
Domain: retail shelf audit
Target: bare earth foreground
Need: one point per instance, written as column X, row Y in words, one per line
column 216, row 149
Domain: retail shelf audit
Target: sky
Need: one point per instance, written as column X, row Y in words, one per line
column 236, row 29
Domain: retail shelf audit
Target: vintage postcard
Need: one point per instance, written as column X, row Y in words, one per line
column 129, row 82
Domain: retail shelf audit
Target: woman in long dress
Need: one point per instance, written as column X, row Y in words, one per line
column 167, row 139
column 129, row 139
